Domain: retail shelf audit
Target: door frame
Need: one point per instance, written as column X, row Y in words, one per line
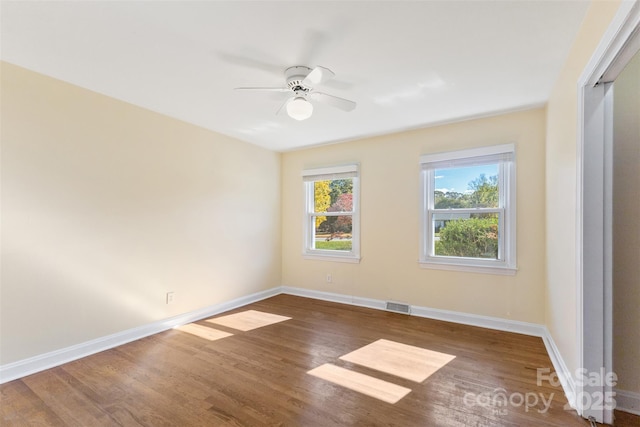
column 594, row 241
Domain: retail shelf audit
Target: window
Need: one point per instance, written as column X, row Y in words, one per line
column 468, row 210
column 332, row 223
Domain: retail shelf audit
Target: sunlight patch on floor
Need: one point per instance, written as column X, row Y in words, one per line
column 402, row 360
column 203, row 331
column 365, row 384
column 248, row 320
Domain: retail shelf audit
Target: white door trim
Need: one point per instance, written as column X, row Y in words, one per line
column 594, row 207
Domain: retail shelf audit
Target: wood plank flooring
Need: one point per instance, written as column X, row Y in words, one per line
column 260, row 377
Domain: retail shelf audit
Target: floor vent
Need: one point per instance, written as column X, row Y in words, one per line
column 397, row 307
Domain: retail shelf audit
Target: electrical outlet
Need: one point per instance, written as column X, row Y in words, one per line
column 329, row 278
column 171, row 297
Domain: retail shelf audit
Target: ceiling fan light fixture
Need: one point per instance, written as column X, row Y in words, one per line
column 299, row 108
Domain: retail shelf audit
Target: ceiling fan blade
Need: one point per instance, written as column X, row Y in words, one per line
column 317, row 76
column 265, row 89
column 334, row 101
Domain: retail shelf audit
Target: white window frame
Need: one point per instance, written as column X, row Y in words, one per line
column 309, row 176
column 504, row 156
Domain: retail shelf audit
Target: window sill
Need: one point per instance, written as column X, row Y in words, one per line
column 484, row 269
column 332, row 258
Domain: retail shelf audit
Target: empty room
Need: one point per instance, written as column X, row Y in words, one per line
column 320, row 213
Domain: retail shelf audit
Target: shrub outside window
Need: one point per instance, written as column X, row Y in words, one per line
column 331, row 223
column 468, row 210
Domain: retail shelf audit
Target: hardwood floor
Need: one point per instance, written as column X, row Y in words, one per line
column 259, row 377
column 625, row 419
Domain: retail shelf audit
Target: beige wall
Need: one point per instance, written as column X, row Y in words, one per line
column 626, row 227
column 106, row 207
column 561, row 183
column 389, row 269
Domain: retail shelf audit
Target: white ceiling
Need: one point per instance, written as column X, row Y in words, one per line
column 407, row 64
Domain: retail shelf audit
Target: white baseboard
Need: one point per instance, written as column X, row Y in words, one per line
column 22, row 368
column 333, row 297
column 488, row 322
column 628, row 401
column 497, row 323
column 564, row 375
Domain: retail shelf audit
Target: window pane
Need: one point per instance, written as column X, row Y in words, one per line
column 333, row 233
column 466, row 187
column 466, row 235
column 333, row 195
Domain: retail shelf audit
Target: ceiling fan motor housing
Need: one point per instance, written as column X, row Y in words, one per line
column 295, row 76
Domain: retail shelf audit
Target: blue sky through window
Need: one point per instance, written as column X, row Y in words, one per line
column 457, row 179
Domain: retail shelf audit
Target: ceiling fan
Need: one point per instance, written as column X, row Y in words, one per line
column 300, row 83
